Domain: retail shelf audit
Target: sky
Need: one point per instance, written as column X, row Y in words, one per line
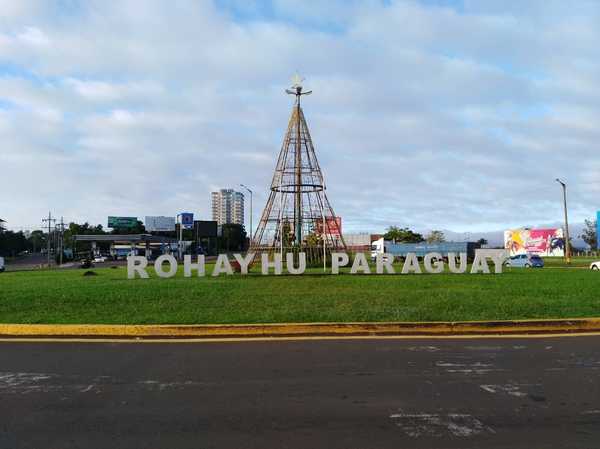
column 432, row 114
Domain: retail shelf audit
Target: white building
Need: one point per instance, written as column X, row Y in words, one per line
column 228, row 207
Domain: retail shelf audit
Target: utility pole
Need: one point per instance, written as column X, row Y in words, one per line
column 250, row 191
column 567, row 240
column 49, row 220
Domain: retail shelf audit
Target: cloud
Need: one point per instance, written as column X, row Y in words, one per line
column 452, row 117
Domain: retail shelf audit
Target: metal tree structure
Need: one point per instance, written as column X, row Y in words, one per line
column 298, row 215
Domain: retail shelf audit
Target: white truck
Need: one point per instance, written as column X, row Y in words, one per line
column 2, row 268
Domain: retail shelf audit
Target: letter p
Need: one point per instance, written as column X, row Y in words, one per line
column 338, row 260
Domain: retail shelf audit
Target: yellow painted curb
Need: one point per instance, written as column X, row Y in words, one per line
column 208, row 331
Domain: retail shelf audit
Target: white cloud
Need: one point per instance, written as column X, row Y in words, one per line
column 422, row 116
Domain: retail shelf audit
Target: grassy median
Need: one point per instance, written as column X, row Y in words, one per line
column 69, row 297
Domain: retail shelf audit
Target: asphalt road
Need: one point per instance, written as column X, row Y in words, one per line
column 475, row 393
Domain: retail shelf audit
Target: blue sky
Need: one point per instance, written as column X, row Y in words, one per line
column 434, row 114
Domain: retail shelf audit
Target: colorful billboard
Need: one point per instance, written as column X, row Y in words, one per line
column 159, row 223
column 122, row 222
column 543, row 242
column 333, row 226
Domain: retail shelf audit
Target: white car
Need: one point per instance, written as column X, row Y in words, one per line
column 595, row 265
column 99, row 259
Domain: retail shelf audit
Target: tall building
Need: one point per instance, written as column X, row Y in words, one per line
column 228, row 206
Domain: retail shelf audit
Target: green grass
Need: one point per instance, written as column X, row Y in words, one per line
column 69, row 297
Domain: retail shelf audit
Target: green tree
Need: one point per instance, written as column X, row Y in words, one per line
column 37, row 240
column 233, row 237
column 12, row 243
column 402, row 235
column 589, row 234
column 435, row 237
column 288, row 235
column 482, row 242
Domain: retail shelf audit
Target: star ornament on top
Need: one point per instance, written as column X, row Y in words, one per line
column 297, row 86
column 297, row 80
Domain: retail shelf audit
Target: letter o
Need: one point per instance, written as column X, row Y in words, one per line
column 159, row 268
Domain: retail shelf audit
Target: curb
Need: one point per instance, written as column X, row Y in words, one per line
column 214, row 331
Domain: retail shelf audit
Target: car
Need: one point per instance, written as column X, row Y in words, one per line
column 525, row 260
column 595, row 265
column 86, row 263
column 99, row 259
column 2, row 264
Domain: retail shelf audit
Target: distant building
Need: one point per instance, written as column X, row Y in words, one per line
column 228, row 207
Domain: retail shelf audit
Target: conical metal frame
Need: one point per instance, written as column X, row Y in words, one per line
column 298, row 216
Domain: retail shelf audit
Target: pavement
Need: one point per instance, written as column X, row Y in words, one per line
column 539, row 392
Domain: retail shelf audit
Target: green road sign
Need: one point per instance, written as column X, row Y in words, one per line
column 122, row 222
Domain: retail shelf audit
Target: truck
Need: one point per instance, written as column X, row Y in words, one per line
column 2, row 268
column 384, row 247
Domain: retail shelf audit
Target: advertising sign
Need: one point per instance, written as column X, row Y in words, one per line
column 543, row 242
column 205, row 228
column 333, row 226
column 159, row 223
column 122, row 222
column 187, row 220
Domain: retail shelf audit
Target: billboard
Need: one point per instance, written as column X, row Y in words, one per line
column 543, row 242
column 159, row 223
column 333, row 226
column 122, row 222
column 205, row 228
column 186, row 220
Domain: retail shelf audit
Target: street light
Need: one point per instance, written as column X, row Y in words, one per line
column 249, row 191
column 180, row 242
column 567, row 242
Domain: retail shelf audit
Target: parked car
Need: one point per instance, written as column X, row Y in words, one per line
column 525, row 260
column 595, row 265
column 99, row 259
column 2, row 264
column 86, row 263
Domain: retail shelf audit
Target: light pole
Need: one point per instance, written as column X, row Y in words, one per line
column 249, row 191
column 567, row 242
column 179, row 248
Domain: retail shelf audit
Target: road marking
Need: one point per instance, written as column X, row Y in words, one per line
column 510, row 389
column 276, row 339
column 417, row 425
column 467, row 368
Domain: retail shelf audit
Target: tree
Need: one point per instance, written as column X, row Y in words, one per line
column 435, row 237
column 37, row 240
column 233, row 237
column 589, row 234
column 482, row 242
column 12, row 243
column 287, row 235
column 2, row 227
column 402, row 235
